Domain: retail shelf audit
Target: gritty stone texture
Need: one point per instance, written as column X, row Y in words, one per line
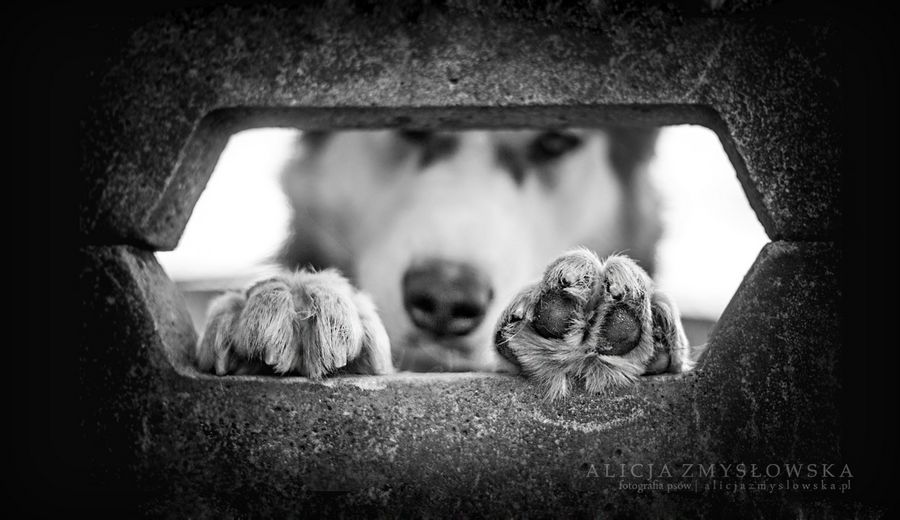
column 176, row 443
column 779, row 342
column 769, row 85
column 200, row 446
column 134, row 330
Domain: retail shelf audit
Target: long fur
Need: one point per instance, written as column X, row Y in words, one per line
column 576, row 359
column 305, row 323
column 369, row 204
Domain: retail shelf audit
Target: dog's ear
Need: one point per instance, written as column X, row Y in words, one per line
column 630, row 151
column 313, row 140
column 630, row 148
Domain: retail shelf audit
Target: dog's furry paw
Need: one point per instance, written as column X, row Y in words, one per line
column 306, row 323
column 592, row 323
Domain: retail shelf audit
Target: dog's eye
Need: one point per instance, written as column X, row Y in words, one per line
column 432, row 146
column 416, row 136
column 552, row 145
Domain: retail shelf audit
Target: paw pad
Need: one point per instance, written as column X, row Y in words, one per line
column 552, row 314
column 621, row 332
column 596, row 328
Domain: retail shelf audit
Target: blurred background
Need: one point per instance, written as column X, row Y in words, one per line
column 711, row 234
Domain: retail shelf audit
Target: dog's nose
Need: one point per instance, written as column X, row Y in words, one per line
column 446, row 298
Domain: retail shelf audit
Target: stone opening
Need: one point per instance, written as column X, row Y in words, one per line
column 776, row 84
column 692, row 240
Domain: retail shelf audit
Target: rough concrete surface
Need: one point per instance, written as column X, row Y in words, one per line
column 175, row 443
column 154, row 135
column 475, row 444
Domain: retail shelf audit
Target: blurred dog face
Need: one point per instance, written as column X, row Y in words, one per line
column 443, row 229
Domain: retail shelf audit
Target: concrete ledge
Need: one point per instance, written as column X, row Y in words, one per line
column 180, row 444
column 202, row 446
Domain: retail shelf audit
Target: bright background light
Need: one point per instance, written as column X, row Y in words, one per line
column 711, row 234
column 242, row 217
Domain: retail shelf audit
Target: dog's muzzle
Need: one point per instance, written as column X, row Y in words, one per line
column 446, row 298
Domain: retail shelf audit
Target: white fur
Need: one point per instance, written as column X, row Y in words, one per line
column 463, row 208
column 560, row 364
column 367, row 202
column 303, row 323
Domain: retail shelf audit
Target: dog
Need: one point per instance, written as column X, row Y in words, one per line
column 525, row 251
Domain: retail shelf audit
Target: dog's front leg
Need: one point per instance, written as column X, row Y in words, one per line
column 305, row 323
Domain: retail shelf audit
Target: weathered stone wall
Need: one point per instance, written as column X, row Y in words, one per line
column 199, row 446
column 150, row 150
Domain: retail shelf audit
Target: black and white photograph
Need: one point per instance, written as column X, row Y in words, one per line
column 440, row 258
